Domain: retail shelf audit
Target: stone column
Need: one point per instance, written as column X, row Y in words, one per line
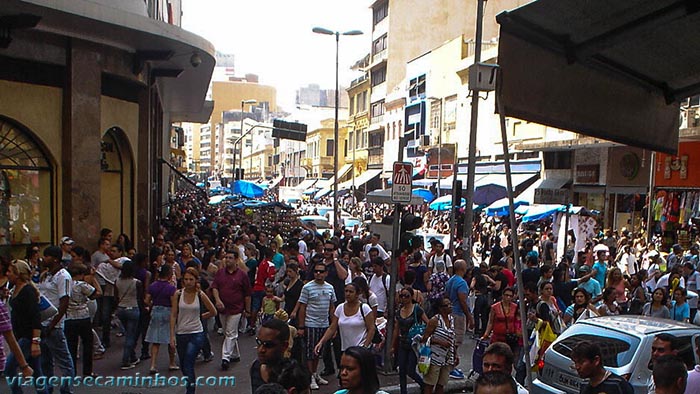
column 80, row 159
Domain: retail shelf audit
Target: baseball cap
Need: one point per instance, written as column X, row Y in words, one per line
column 67, row 240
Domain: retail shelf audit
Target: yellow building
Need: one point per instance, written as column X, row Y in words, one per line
column 320, row 149
column 358, row 120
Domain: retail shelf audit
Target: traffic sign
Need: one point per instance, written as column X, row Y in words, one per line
column 402, row 182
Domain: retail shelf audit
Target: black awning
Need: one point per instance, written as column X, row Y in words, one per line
column 611, row 69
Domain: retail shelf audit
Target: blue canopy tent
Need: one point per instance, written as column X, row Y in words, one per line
column 425, row 194
column 247, row 189
column 538, row 212
column 215, row 200
column 444, row 203
column 501, row 208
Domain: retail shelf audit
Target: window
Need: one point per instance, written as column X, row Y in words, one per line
column 379, row 75
column 365, row 138
column 416, row 88
column 377, row 109
column 557, row 160
column 380, row 12
column 376, row 140
column 379, row 44
column 330, row 148
column 357, row 139
column 351, row 109
column 362, row 102
column 616, row 351
column 351, row 137
column 435, row 115
column 25, row 185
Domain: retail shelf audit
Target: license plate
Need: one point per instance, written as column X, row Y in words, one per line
column 559, row 378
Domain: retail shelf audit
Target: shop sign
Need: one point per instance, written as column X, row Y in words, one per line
column 587, row 173
column 551, row 196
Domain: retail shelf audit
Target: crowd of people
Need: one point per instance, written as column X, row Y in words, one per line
column 309, row 297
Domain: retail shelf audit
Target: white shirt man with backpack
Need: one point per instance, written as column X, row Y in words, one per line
column 379, row 285
column 439, row 257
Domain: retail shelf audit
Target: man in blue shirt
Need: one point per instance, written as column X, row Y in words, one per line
column 458, row 289
column 600, row 267
column 591, row 285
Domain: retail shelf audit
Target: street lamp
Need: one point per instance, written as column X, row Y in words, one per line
column 321, row 30
column 244, row 102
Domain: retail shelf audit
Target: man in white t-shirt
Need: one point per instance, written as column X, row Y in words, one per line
column 56, row 287
column 440, row 257
column 692, row 283
column 374, row 243
column 379, row 285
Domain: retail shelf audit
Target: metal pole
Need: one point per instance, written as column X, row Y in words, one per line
column 336, row 213
column 468, row 211
column 393, row 275
column 353, row 168
column 453, row 213
column 241, row 166
column 650, row 212
column 514, row 238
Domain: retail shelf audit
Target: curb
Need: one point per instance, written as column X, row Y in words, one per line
column 453, row 386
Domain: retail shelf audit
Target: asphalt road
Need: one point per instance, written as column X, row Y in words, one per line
column 236, row 379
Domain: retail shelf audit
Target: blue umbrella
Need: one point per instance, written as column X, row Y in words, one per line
column 501, row 207
column 425, row 194
column 247, row 189
column 444, row 203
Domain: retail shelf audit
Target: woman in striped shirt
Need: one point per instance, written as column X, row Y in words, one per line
column 443, row 355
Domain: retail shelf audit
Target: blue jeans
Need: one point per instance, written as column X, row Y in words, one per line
column 35, row 362
column 188, row 346
column 54, row 347
column 407, row 367
column 130, row 319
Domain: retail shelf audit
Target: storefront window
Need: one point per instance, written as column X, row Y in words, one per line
column 25, row 188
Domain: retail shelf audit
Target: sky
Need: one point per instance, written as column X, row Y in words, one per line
column 273, row 38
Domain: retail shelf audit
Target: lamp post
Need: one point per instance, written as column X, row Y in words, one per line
column 321, row 30
column 243, row 103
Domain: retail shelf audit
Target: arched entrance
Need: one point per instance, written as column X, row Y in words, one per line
column 26, row 187
column 117, row 165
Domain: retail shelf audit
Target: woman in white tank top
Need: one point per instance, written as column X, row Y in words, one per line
column 186, row 331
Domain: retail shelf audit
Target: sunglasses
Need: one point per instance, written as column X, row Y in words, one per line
column 328, row 249
column 404, row 295
column 266, row 344
column 319, row 271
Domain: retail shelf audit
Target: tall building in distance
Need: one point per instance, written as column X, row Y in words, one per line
column 314, row 96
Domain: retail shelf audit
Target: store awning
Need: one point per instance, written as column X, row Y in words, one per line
column 616, row 70
column 306, row 184
column 328, row 183
column 360, row 180
column 275, row 182
column 552, row 191
column 492, row 187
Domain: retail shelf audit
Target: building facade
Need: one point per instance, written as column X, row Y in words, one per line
column 88, row 93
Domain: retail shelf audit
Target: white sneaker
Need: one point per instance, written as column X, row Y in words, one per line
column 313, row 385
column 321, row 380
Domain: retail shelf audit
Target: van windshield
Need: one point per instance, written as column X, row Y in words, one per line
column 617, row 348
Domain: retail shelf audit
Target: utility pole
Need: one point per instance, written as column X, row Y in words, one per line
column 471, row 169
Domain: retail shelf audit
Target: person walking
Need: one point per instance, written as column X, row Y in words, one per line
column 56, row 287
column 408, row 314
column 316, row 303
column 231, row 290
column 457, row 290
column 503, row 322
column 355, row 325
column 78, row 324
column 158, row 333
column 128, row 290
column 443, row 356
column 186, row 330
column 26, row 325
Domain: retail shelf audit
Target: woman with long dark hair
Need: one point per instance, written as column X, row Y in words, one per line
column 128, row 292
column 408, row 314
column 358, row 372
column 657, row 307
column 504, row 321
column 186, row 330
column 580, row 309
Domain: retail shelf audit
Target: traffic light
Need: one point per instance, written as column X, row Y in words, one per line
column 407, row 239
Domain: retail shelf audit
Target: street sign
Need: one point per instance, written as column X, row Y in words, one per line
column 402, row 182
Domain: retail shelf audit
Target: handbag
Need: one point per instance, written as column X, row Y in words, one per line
column 511, row 337
column 377, row 338
column 418, row 328
column 46, row 309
